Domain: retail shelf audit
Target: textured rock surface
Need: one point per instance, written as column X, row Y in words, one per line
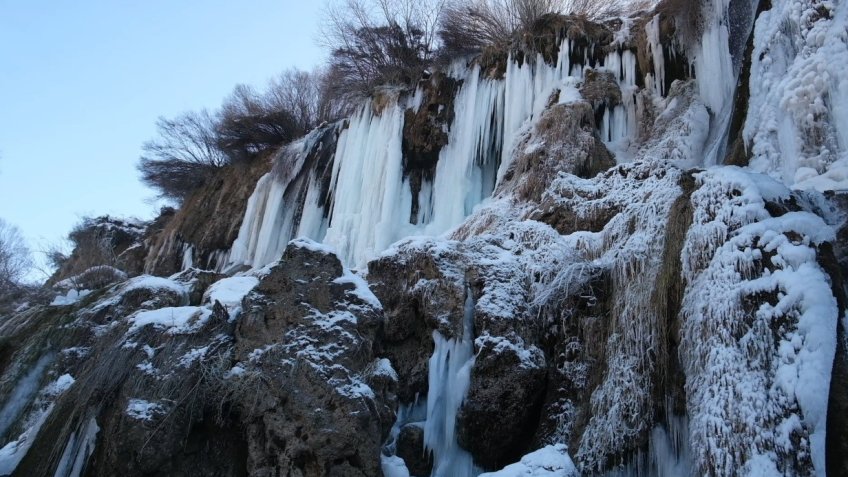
column 291, row 387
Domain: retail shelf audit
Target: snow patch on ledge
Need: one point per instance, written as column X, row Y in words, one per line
column 144, row 410
column 550, row 461
column 175, row 320
column 69, row 298
column 361, row 289
column 313, row 246
column 529, row 358
column 230, row 292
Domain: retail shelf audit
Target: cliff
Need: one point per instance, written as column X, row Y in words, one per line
column 616, row 248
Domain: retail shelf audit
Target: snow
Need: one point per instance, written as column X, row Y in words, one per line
column 361, row 289
column 568, row 93
column 797, row 125
column 69, row 298
column 62, row 384
column 149, row 282
column 393, row 466
column 193, row 355
column 230, row 292
column 235, row 372
column 757, row 379
column 383, row 367
column 144, row 410
column 313, row 246
column 174, row 320
column 550, row 461
column 531, row 358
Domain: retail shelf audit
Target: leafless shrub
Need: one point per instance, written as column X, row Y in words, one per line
column 15, row 263
column 56, row 255
column 93, row 245
column 471, row 25
column 250, row 123
column 378, row 42
column 183, row 156
column 297, row 92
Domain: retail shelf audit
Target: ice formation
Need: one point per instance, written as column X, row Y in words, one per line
column 449, row 377
column 752, row 406
column 78, row 449
column 370, row 199
column 758, row 319
column 797, row 127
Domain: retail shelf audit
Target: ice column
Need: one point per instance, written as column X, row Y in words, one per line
column 466, row 167
column 449, row 379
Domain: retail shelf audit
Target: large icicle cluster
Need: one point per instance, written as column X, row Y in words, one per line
column 369, row 200
column 759, row 329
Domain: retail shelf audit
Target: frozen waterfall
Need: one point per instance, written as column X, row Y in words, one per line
column 449, row 378
column 369, row 202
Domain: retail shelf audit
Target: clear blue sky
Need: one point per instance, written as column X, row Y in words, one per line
column 82, row 83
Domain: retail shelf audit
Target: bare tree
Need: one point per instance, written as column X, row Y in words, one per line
column 378, row 42
column 15, row 259
column 184, row 155
column 594, row 9
column 297, row 92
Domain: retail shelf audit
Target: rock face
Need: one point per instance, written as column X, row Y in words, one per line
column 501, row 376
column 294, row 386
column 322, row 404
column 425, row 132
column 103, row 241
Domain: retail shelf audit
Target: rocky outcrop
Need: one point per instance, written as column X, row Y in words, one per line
column 102, row 242
column 564, row 139
column 513, row 378
column 155, row 377
column 322, row 404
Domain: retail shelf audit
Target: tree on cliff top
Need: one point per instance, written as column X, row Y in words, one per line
column 379, row 42
column 183, row 156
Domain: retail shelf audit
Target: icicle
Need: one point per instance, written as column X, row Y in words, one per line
column 528, row 87
column 188, row 260
column 272, row 210
column 77, row 451
column 620, row 122
column 465, row 170
column 372, row 203
column 652, row 29
column 449, row 378
column 716, row 74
